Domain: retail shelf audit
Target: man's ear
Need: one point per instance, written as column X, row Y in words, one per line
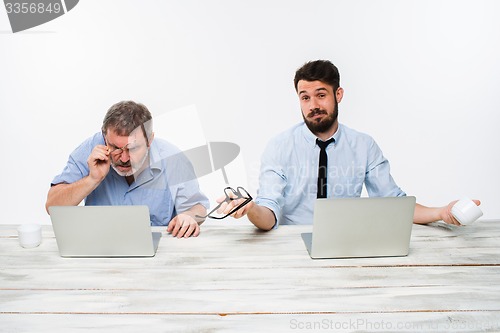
column 339, row 94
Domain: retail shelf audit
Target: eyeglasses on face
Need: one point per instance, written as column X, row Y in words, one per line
column 131, row 149
column 231, row 195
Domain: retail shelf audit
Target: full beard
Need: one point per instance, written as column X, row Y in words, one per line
column 321, row 125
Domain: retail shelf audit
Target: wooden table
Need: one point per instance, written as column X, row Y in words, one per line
column 238, row 279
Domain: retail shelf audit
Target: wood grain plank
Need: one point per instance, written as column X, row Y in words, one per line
column 223, row 291
column 242, row 246
column 331, row 322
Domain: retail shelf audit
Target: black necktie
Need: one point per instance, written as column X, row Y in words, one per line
column 323, row 166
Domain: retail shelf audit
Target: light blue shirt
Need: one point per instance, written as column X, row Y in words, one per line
column 168, row 186
column 289, row 172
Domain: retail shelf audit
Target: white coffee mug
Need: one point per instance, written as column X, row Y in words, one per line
column 30, row 235
column 466, row 211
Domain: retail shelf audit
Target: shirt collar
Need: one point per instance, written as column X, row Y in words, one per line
column 155, row 160
column 311, row 138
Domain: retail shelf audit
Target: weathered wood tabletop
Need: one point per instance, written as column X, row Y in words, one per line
column 239, row 279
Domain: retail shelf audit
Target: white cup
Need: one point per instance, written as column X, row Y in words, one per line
column 466, row 211
column 30, row 235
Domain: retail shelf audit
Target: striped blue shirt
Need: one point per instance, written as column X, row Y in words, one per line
column 168, row 186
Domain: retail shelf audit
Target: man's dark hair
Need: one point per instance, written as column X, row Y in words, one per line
column 124, row 117
column 319, row 70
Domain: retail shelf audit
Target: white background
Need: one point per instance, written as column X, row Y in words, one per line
column 422, row 77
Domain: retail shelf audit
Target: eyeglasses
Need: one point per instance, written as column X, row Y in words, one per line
column 231, row 194
column 117, row 152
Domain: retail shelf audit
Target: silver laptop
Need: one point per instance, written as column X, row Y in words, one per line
column 361, row 227
column 104, row 231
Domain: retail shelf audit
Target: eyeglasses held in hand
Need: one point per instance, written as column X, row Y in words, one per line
column 231, row 194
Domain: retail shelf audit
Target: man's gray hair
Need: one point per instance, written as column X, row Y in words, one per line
column 125, row 116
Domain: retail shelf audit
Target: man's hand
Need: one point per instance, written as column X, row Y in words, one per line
column 261, row 216
column 226, row 207
column 99, row 162
column 72, row 194
column 448, row 217
column 183, row 225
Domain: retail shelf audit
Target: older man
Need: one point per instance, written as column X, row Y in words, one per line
column 124, row 164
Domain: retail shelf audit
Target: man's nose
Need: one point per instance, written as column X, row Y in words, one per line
column 125, row 156
column 313, row 104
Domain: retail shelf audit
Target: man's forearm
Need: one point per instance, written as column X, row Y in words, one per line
column 70, row 194
column 262, row 217
column 425, row 214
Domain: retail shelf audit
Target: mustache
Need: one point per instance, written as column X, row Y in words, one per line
column 315, row 112
column 122, row 164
